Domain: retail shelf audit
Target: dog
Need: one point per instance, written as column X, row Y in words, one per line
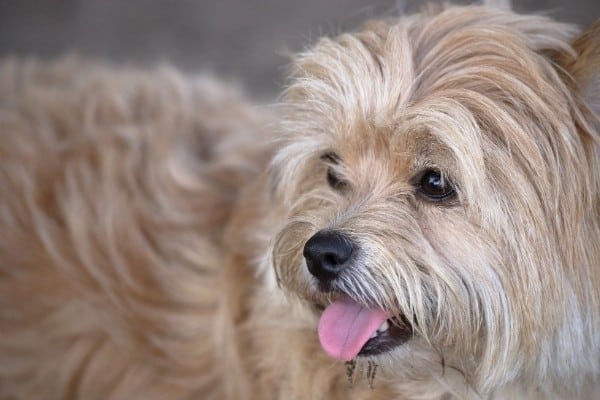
column 416, row 219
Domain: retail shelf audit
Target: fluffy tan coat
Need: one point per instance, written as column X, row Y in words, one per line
column 152, row 233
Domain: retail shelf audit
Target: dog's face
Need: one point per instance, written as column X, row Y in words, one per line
column 437, row 183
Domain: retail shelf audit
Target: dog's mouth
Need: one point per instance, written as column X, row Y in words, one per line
column 348, row 330
column 392, row 333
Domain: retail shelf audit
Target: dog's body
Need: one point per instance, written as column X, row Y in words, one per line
column 439, row 171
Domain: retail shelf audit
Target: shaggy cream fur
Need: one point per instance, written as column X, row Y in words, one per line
column 153, row 234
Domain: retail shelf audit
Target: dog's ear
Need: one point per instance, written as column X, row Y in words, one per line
column 583, row 68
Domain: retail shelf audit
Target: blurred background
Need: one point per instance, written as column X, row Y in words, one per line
column 240, row 40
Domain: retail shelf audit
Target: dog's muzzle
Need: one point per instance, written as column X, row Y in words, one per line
column 348, row 329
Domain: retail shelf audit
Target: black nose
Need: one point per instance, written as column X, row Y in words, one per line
column 327, row 253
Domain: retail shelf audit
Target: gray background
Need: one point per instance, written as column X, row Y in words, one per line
column 241, row 40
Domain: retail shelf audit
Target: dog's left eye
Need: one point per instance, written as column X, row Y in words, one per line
column 435, row 187
column 335, row 181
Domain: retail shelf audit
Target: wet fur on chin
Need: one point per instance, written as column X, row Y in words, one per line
column 152, row 231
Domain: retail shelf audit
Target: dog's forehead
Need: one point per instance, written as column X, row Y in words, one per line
column 392, row 73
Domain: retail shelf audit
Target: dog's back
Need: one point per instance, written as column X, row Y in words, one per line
column 114, row 191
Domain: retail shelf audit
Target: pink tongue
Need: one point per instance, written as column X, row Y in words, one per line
column 346, row 326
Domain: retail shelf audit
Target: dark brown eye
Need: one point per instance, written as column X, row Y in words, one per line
column 435, row 187
column 334, row 181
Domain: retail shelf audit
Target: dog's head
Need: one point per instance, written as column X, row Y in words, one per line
column 439, row 181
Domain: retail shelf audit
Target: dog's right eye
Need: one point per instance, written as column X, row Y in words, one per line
column 435, row 186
